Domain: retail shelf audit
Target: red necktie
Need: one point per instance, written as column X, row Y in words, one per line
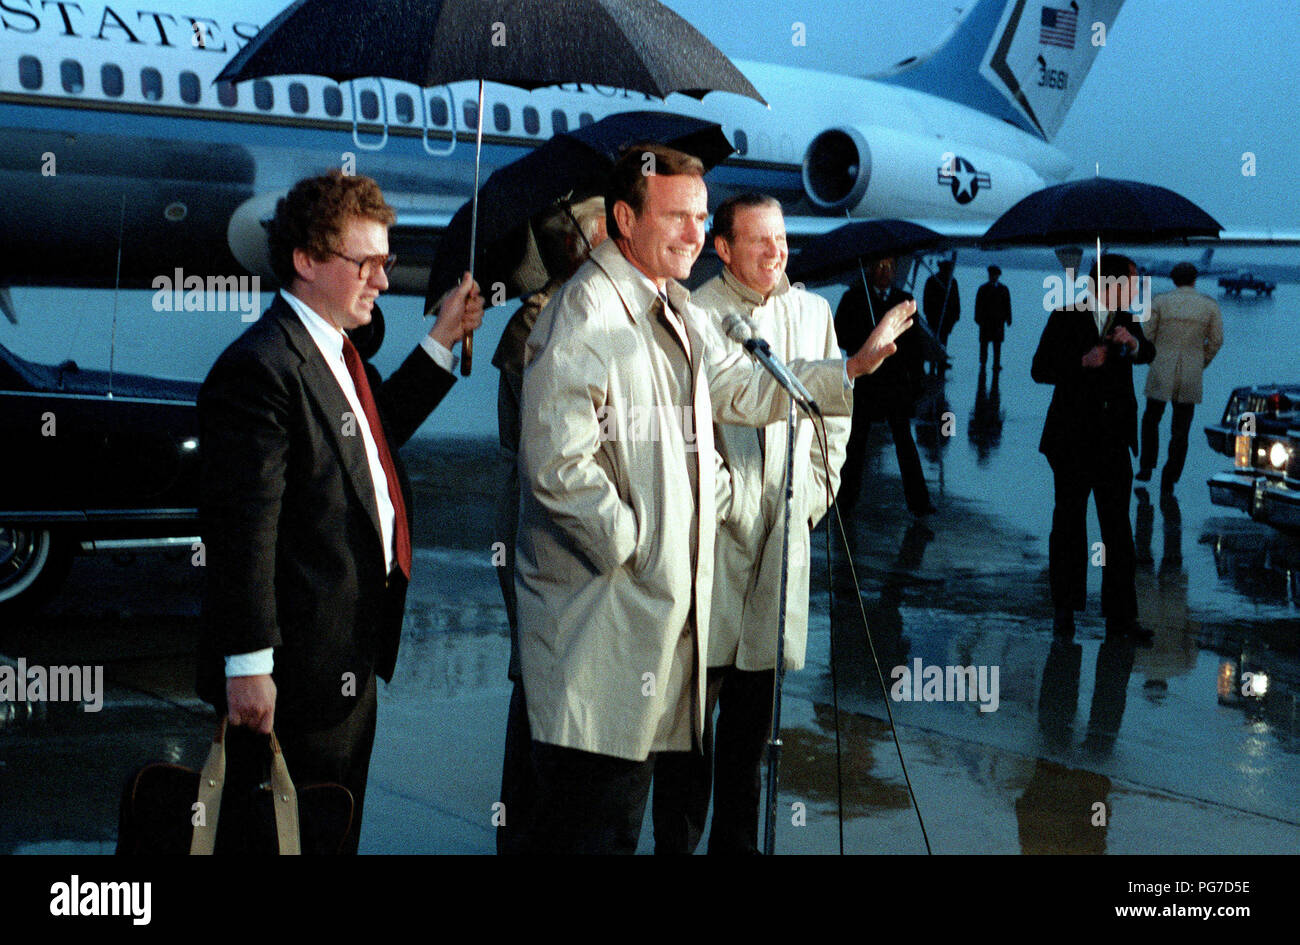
column 401, row 529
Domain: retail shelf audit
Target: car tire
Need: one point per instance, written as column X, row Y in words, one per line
column 33, row 564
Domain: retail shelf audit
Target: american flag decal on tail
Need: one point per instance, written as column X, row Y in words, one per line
column 1057, row 27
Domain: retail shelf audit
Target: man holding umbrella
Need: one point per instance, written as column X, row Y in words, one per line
column 615, row 551
column 1088, row 354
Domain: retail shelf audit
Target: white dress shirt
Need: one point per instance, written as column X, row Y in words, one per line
column 329, row 340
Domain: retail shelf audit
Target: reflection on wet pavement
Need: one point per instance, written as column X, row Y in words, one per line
column 1189, row 745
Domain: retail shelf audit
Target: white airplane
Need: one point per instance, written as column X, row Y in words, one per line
column 115, row 137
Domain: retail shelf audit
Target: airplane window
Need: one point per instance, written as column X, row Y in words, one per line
column 559, row 122
column 405, row 108
column 151, row 84
column 333, row 101
column 532, row 121
column 501, row 116
column 585, row 119
column 369, row 105
column 471, row 114
column 74, row 80
column 110, row 77
column 263, row 95
column 29, row 72
column 190, row 91
column 741, row 141
column 298, row 97
column 438, row 113
column 227, row 94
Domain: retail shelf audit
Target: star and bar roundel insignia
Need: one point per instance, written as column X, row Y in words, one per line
column 961, row 177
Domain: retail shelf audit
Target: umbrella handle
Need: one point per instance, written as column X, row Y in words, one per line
column 467, row 345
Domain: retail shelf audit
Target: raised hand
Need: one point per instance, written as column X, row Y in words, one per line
column 880, row 343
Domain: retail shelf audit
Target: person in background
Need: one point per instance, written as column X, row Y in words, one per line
column 1087, row 354
column 942, row 304
column 992, row 314
column 1187, row 329
column 565, row 236
column 889, row 394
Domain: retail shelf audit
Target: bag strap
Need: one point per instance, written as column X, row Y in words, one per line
column 212, row 780
column 284, row 798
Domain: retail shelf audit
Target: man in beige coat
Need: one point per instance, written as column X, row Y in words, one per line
column 615, row 553
column 749, row 236
column 1187, row 329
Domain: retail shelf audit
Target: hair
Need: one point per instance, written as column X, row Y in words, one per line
column 627, row 181
column 1115, row 266
column 566, row 233
column 994, row 271
column 313, row 215
column 724, row 218
column 1183, row 274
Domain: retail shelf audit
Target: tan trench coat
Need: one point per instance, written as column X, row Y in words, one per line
column 1187, row 329
column 609, row 568
column 747, row 558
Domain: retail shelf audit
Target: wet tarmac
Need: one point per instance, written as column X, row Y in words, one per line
column 1092, row 746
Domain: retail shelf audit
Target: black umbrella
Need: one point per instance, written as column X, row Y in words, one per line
column 574, row 163
column 1101, row 208
column 830, row 254
column 1116, row 211
column 638, row 45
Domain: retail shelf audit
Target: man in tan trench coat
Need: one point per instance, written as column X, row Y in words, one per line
column 749, row 235
column 1187, row 329
column 615, row 551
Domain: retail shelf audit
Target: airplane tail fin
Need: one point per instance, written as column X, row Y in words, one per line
column 1019, row 60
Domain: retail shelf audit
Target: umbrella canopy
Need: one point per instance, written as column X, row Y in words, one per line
column 828, row 255
column 1115, row 211
column 575, row 163
column 639, row 45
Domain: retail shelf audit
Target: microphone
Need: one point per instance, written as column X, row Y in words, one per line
column 741, row 329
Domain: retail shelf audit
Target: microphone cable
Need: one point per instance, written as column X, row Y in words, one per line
column 832, row 506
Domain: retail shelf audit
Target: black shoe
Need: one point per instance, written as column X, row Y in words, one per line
column 927, row 509
column 1143, row 475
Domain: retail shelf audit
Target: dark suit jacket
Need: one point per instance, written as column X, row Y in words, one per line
column 992, row 310
column 894, row 386
column 1092, row 409
column 289, row 521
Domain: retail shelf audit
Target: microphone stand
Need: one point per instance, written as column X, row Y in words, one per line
column 778, row 681
column 799, row 397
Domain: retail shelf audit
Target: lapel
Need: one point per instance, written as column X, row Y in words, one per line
column 330, row 405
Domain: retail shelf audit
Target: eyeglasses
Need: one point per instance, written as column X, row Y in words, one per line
column 367, row 265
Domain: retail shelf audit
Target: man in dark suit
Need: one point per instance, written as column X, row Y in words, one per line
column 1088, row 354
column 304, row 501
column 992, row 314
column 941, row 302
column 888, row 394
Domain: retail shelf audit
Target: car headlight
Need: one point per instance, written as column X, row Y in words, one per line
column 1279, row 455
